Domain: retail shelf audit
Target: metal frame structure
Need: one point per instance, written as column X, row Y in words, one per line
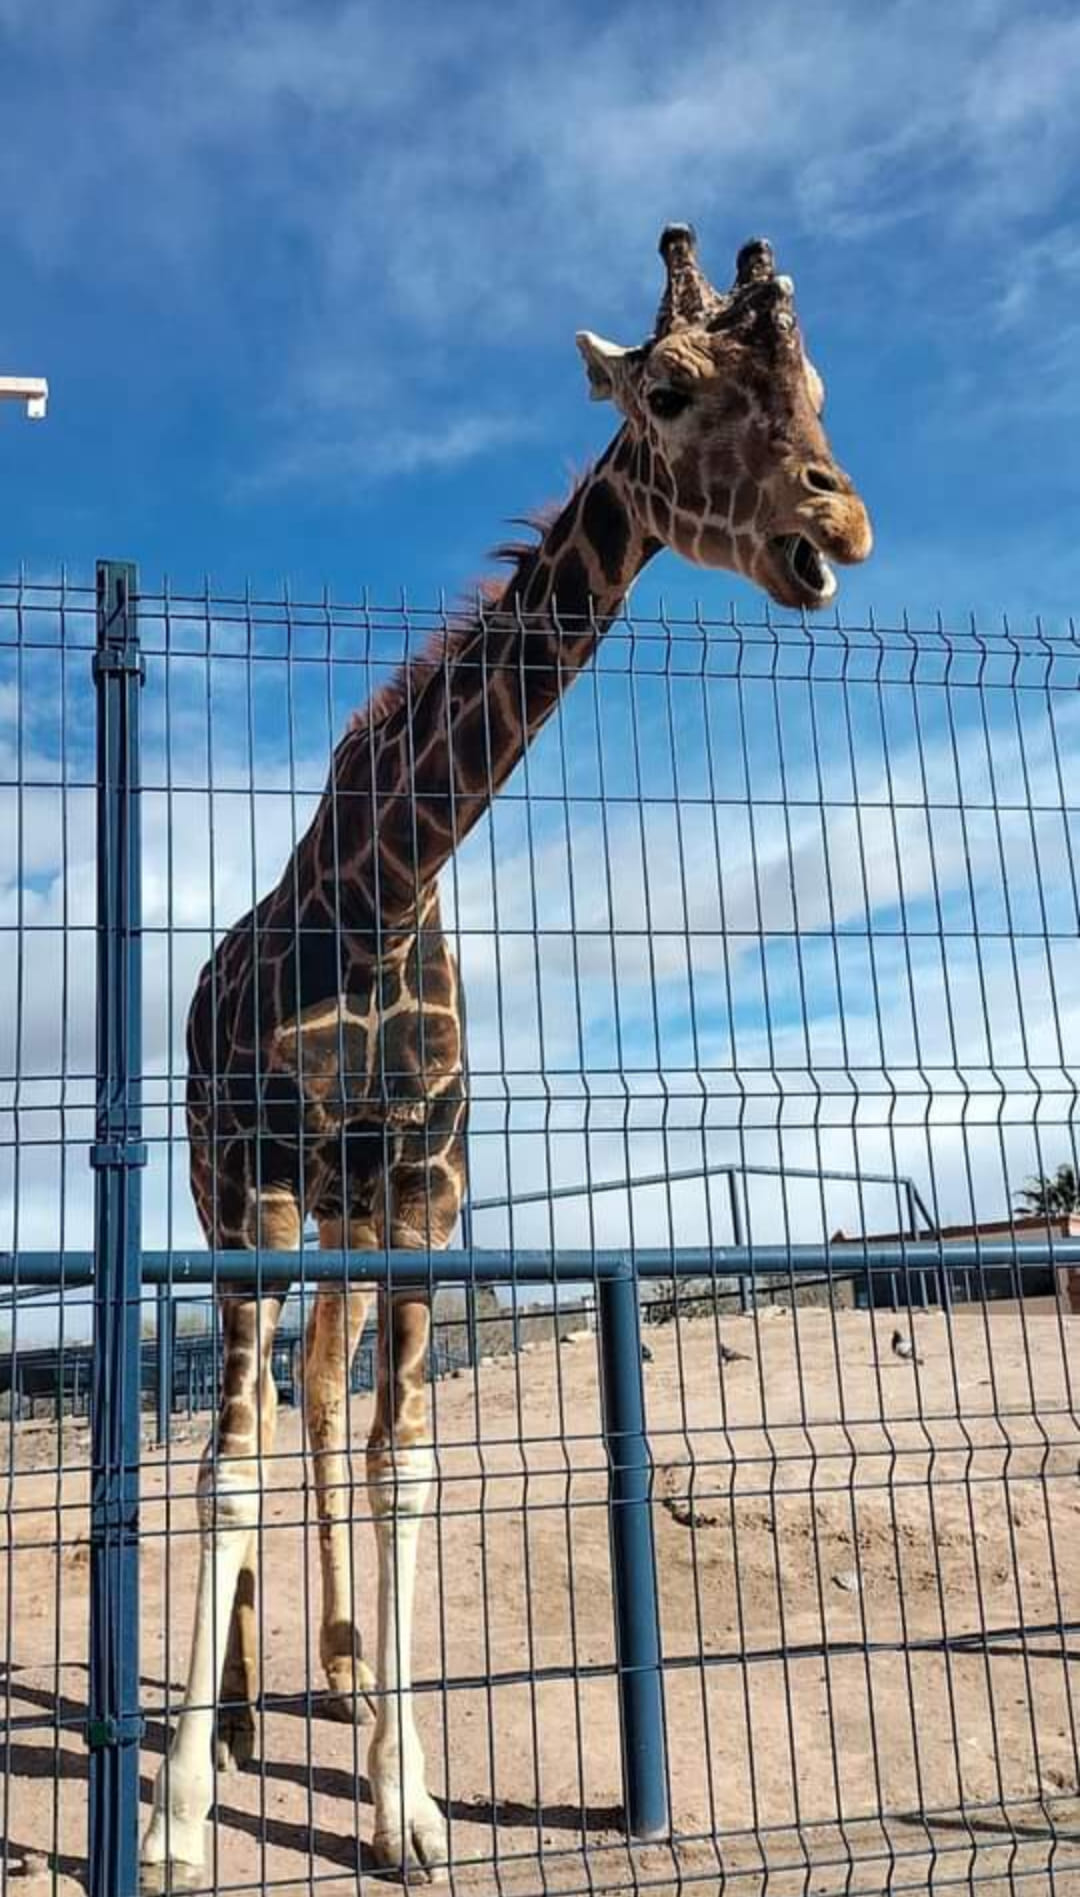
column 122, row 1265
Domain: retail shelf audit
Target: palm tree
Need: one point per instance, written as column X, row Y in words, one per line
column 1051, row 1198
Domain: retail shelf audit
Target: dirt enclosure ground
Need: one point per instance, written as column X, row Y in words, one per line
column 820, row 1492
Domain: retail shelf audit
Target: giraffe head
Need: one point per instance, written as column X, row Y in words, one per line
column 723, row 451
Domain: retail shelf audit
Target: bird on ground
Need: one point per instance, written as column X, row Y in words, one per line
column 727, row 1355
column 903, row 1348
column 646, row 1354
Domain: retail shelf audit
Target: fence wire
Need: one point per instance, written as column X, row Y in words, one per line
column 770, row 948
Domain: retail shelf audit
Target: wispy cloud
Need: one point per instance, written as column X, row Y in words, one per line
column 364, row 454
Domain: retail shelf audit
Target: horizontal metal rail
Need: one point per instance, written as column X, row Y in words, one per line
column 539, row 1267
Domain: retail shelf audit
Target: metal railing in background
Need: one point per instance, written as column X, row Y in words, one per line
column 750, row 1041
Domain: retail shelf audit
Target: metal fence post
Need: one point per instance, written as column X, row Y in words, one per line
column 737, row 1233
column 114, row 1725
column 472, row 1347
column 637, row 1625
column 163, row 1352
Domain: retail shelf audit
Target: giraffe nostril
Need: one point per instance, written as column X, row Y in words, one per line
column 823, row 480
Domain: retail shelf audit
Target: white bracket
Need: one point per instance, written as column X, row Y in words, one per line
column 31, row 389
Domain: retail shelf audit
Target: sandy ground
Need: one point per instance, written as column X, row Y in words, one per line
column 818, row 1492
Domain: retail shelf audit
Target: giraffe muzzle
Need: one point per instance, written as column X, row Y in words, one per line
column 796, row 573
column 797, row 569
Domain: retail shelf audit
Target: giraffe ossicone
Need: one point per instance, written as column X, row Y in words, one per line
column 326, row 1063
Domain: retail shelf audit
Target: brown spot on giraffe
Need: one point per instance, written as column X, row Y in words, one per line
column 326, row 1056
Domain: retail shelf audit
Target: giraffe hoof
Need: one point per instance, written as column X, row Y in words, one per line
column 234, row 1745
column 417, row 1850
column 348, row 1709
column 347, row 1702
column 159, row 1880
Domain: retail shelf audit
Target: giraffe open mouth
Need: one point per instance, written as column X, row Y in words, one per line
column 814, row 578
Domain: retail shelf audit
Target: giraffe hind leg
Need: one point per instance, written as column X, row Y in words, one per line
column 334, row 1330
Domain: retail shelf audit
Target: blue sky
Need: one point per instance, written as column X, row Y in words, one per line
column 305, row 278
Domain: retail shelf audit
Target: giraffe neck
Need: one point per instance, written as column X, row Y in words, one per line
column 427, row 761
column 574, row 582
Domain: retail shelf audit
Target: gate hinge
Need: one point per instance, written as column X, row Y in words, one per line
column 109, row 661
column 118, row 1153
column 126, row 1731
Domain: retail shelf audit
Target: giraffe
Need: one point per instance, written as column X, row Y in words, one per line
column 325, row 1038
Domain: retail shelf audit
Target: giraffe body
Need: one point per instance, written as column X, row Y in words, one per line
column 336, row 1066
column 326, row 1041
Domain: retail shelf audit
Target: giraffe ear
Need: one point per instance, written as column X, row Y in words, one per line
column 603, row 363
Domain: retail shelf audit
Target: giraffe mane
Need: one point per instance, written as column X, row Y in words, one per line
column 485, row 595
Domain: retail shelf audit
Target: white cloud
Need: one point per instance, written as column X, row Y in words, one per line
column 365, row 455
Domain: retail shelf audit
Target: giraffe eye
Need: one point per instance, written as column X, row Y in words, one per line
column 665, row 404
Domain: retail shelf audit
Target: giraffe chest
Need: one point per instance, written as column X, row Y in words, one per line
column 303, row 1043
column 360, row 1042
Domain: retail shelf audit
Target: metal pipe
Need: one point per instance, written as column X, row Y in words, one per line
column 163, row 1351
column 637, row 1625
column 472, row 1339
column 911, row 1196
column 738, row 1236
column 539, row 1267
column 113, row 1721
column 586, row 1188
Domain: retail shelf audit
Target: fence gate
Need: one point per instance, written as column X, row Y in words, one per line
column 752, row 1551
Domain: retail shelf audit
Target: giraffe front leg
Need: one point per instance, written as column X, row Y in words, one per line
column 410, row 1830
column 235, row 1725
column 334, row 1331
column 173, row 1852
